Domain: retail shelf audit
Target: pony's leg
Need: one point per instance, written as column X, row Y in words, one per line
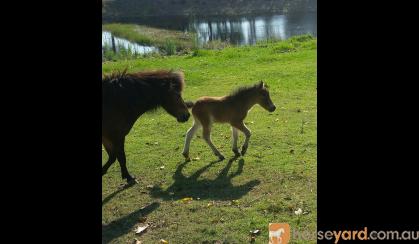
column 235, row 138
column 111, row 154
column 207, row 137
column 120, row 155
column 111, row 160
column 246, row 132
column 189, row 135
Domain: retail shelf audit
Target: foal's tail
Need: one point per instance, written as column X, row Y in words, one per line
column 189, row 104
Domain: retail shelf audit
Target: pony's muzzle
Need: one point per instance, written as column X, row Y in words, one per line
column 184, row 117
column 272, row 108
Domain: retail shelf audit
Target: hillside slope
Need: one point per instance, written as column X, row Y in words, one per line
column 129, row 9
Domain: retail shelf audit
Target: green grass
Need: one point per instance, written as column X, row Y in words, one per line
column 276, row 176
column 169, row 41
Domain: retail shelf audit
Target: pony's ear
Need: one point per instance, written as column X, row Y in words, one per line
column 173, row 86
column 260, row 84
column 166, row 85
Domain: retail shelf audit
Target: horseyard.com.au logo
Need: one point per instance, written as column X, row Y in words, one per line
column 279, row 233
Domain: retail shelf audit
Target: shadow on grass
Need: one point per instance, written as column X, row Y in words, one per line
column 125, row 224
column 113, row 194
column 220, row 188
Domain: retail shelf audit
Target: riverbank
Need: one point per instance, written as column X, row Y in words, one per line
column 169, row 41
column 277, row 177
column 115, row 10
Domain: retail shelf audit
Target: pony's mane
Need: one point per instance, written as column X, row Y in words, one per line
column 174, row 78
column 115, row 75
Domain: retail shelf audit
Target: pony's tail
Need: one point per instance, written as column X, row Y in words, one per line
column 189, row 104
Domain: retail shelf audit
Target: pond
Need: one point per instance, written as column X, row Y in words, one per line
column 237, row 30
column 245, row 30
column 116, row 43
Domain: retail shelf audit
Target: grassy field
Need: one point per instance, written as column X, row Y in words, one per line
column 167, row 40
column 277, row 176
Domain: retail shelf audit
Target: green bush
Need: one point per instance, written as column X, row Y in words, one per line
column 169, row 47
column 284, row 47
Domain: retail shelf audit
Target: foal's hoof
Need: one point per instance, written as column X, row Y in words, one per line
column 221, row 157
column 187, row 158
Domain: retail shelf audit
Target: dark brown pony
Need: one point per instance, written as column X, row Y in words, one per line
column 230, row 109
column 126, row 96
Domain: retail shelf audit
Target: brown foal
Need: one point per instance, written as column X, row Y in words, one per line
column 230, row 109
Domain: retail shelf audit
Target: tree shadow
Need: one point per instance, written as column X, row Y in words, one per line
column 125, row 224
column 220, row 188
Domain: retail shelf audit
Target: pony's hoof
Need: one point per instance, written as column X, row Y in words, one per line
column 236, row 153
column 132, row 181
column 129, row 183
column 221, row 157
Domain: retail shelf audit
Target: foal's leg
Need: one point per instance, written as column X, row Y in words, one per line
column 120, row 154
column 188, row 138
column 240, row 125
column 111, row 154
column 235, row 138
column 207, row 137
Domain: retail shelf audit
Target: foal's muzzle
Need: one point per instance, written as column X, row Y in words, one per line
column 183, row 117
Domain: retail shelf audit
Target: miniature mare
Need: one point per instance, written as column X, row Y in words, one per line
column 126, row 96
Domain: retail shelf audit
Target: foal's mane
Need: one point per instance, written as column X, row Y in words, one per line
column 242, row 91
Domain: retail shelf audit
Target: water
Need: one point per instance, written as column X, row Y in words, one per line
column 121, row 42
column 250, row 29
column 237, row 30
